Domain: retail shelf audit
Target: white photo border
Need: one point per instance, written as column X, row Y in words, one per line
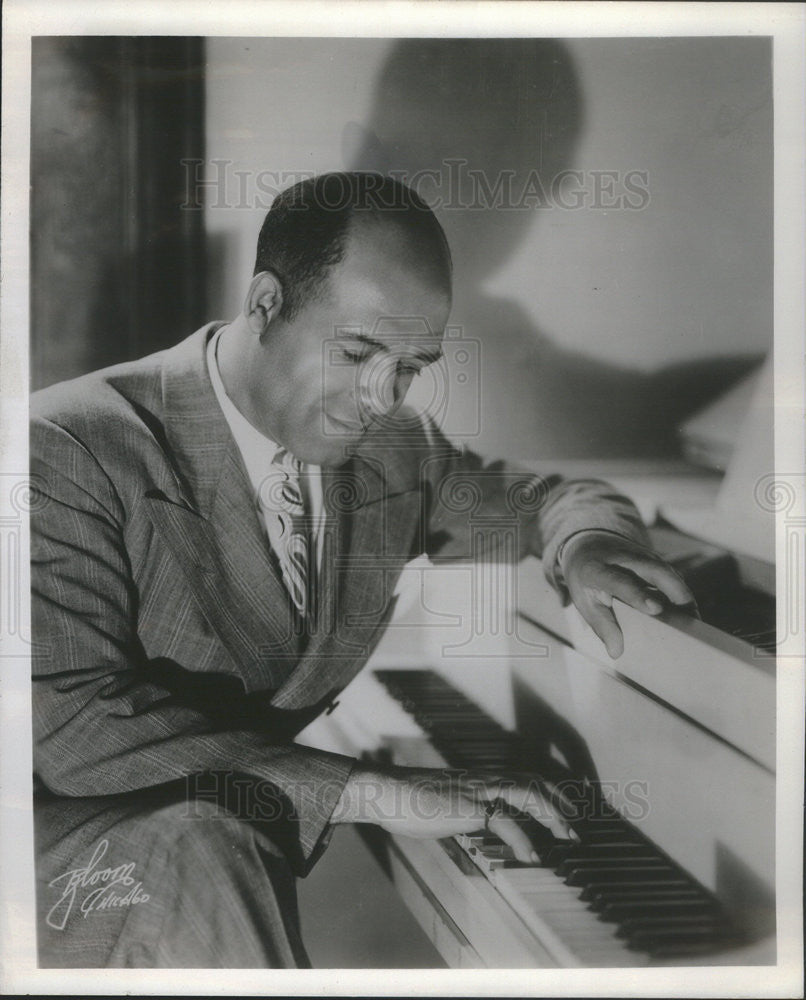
column 22, row 20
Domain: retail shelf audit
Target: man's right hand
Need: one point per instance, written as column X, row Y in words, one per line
column 432, row 803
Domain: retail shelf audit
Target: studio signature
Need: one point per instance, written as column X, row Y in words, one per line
column 109, row 888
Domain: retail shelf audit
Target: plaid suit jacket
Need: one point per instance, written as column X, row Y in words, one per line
column 164, row 644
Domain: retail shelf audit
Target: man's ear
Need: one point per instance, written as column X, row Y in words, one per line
column 263, row 301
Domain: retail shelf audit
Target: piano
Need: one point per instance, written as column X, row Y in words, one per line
column 670, row 751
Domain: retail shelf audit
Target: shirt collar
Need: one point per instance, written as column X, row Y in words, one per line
column 258, row 450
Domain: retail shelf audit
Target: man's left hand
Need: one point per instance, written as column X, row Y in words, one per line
column 598, row 567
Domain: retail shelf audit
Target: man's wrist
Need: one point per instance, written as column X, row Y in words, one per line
column 362, row 788
column 574, row 540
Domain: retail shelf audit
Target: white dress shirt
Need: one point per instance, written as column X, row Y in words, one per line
column 258, row 453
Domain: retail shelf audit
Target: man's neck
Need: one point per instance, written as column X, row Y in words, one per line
column 235, row 344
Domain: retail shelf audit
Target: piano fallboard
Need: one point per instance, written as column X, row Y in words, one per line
column 718, row 681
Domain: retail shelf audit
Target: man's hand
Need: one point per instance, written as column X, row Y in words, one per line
column 432, row 803
column 598, row 566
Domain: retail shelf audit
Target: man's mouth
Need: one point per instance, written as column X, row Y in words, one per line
column 346, row 428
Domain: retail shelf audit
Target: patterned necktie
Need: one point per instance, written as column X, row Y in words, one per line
column 294, row 554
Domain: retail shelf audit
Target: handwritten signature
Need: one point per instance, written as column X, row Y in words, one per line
column 106, row 887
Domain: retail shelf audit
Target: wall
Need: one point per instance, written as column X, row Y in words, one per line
column 597, row 328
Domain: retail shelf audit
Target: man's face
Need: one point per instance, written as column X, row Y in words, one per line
column 344, row 363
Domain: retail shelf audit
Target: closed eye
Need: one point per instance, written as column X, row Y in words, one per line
column 357, row 357
column 403, row 367
column 408, row 369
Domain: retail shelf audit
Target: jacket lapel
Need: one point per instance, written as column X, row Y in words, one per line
column 367, row 540
column 211, row 524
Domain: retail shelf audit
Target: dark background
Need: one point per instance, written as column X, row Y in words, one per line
column 117, row 270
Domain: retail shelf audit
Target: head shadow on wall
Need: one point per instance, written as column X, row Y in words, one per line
column 475, row 125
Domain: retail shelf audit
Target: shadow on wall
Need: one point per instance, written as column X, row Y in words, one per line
column 459, row 117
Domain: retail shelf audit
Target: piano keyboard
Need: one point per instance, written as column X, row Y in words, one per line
column 613, row 899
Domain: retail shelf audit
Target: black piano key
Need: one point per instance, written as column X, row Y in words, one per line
column 671, row 929
column 450, row 703
column 453, row 723
column 472, row 732
column 600, row 887
column 645, row 938
column 616, row 852
column 469, row 736
column 470, row 745
column 434, row 688
column 614, row 864
column 540, row 837
column 470, row 748
column 618, row 912
column 491, row 764
column 456, row 713
column 445, row 730
column 597, row 876
column 543, row 842
column 420, row 680
column 682, row 949
column 600, row 898
column 613, row 837
column 681, row 923
column 598, row 830
column 454, row 708
column 458, row 722
column 672, row 937
column 557, row 853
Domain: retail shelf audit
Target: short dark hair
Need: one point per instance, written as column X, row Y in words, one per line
column 305, row 231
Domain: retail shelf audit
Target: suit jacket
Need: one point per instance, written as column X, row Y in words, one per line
column 164, row 640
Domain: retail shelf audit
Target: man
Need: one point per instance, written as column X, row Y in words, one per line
column 218, row 535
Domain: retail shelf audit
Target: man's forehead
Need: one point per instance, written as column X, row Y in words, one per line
column 395, row 296
column 384, row 249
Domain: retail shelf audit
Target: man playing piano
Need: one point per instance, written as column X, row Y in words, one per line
column 219, row 531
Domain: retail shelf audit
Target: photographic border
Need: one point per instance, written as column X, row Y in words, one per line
column 785, row 22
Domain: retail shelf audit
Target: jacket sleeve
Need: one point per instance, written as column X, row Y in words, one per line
column 103, row 723
column 480, row 509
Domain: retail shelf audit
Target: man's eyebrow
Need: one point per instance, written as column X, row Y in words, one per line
column 429, row 357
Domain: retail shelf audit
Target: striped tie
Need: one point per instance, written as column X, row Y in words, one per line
column 295, row 538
